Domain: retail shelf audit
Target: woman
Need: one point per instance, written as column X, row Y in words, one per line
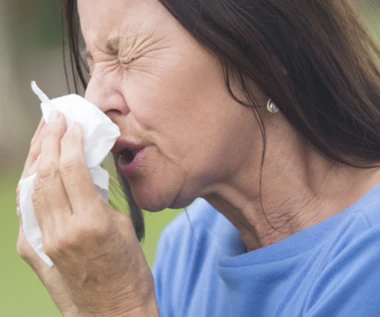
column 269, row 111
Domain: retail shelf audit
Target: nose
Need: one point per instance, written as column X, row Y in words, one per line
column 104, row 91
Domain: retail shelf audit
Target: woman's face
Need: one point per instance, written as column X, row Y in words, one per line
column 167, row 93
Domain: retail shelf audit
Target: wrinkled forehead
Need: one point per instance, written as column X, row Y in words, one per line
column 104, row 19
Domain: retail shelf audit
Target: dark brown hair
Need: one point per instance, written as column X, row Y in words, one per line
column 315, row 59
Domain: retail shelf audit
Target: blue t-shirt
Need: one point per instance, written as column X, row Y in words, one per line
column 329, row 270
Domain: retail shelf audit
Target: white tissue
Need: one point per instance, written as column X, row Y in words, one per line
column 100, row 135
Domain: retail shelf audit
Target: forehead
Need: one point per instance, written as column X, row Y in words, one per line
column 102, row 20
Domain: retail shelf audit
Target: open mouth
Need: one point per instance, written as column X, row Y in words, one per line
column 127, row 156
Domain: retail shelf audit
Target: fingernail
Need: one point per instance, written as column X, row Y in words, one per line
column 54, row 115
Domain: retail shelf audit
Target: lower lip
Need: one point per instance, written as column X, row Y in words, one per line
column 132, row 167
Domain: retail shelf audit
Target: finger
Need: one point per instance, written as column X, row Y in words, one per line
column 75, row 174
column 27, row 253
column 38, row 130
column 30, row 166
column 34, row 150
column 49, row 199
column 32, row 170
column 31, row 161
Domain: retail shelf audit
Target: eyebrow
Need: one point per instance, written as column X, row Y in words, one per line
column 111, row 47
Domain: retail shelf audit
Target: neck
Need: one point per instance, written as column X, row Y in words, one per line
column 299, row 188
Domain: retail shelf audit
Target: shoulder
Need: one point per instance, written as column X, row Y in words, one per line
column 349, row 279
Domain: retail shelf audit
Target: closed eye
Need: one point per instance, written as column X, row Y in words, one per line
column 128, row 61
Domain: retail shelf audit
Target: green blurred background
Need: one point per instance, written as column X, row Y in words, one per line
column 30, row 49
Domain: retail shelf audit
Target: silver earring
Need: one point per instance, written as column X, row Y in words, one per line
column 272, row 107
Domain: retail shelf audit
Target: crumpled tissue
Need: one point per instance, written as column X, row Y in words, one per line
column 100, row 135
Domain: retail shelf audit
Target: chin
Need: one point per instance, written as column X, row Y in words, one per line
column 159, row 198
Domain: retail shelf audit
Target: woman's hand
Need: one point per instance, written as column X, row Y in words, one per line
column 93, row 247
column 49, row 276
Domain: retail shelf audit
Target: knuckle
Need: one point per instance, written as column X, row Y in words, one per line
column 119, row 217
column 21, row 250
column 36, row 193
column 50, row 249
column 34, row 150
column 123, row 220
column 91, row 230
column 48, row 171
column 53, row 247
column 74, row 239
column 68, row 163
column 97, row 203
column 99, row 230
column 62, row 243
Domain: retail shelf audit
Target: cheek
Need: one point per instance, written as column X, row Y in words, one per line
column 184, row 114
column 186, row 128
column 157, row 110
column 189, row 154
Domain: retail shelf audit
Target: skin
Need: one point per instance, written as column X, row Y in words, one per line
column 171, row 95
column 167, row 92
column 85, row 238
